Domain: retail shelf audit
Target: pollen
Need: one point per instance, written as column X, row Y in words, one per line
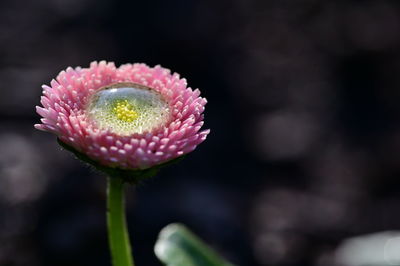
column 124, row 111
column 128, row 108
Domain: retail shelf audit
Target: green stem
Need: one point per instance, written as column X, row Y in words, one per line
column 116, row 221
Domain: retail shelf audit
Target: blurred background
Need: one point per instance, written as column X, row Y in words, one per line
column 302, row 166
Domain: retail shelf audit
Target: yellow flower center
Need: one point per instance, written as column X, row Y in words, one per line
column 124, row 111
column 128, row 108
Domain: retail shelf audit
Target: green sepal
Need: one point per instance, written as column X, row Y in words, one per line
column 132, row 176
column 177, row 246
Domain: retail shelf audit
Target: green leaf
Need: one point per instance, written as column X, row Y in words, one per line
column 177, row 246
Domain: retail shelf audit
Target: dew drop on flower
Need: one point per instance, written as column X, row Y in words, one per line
column 128, row 108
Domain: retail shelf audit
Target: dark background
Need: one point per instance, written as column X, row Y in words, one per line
column 304, row 149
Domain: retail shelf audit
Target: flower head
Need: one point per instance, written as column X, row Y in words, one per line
column 131, row 117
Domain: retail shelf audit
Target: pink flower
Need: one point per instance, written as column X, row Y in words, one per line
column 131, row 117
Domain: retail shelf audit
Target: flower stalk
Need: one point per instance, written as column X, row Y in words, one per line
column 118, row 236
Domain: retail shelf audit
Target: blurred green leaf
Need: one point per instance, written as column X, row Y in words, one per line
column 177, row 246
